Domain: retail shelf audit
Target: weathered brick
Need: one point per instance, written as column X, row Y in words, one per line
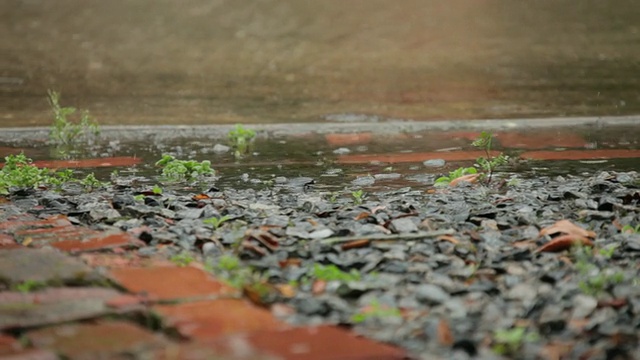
column 170, row 282
column 104, row 340
column 207, row 320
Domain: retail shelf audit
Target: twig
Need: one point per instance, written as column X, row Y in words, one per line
column 380, row 237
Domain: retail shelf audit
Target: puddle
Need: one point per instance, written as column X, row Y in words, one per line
column 369, row 160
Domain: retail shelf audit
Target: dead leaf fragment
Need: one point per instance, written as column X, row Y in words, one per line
column 556, row 350
column 290, row 262
column 286, row 290
column 564, row 242
column 356, row 244
column 569, row 228
column 362, row 215
column 318, row 287
column 445, row 337
column 470, row 178
column 449, row 238
column 200, row 197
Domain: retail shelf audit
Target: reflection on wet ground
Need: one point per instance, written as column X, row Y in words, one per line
column 370, row 160
column 204, row 62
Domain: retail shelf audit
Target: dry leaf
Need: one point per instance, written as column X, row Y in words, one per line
column 265, row 238
column 470, row 178
column 569, row 228
column 564, row 242
column 362, row 215
column 378, row 208
column 356, row 244
column 200, row 197
column 286, row 290
column 555, row 351
column 614, row 303
column 449, row 238
column 318, row 287
column 445, row 337
column 290, row 262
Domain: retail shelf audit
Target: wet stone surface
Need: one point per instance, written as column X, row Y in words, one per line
column 473, row 270
column 42, row 265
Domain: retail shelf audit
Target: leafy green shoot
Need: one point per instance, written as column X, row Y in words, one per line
column 240, row 139
column 459, row 172
column 508, row 341
column 216, row 222
column 182, row 259
column 176, row 170
column 65, row 131
column 375, row 310
column 358, row 196
column 333, row 273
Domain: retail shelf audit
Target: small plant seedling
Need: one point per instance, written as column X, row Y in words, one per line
column 230, row 269
column 509, row 341
column 157, row 190
column 175, row 170
column 607, row 252
column 64, row 131
column 228, row 263
column 630, row 229
column 19, row 172
column 91, row 182
column 375, row 310
column 216, row 222
column 593, row 280
column 240, row 139
column 489, row 163
column 29, row 286
column 459, row 172
column 182, row 259
column 358, row 196
column 333, row 273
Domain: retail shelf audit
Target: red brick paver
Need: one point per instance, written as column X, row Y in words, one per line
column 170, row 282
column 58, row 232
column 309, row 343
column 105, row 340
column 207, row 320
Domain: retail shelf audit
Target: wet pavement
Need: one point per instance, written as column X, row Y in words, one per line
column 334, row 233
column 212, row 62
column 145, row 274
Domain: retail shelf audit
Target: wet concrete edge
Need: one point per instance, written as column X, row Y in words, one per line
column 289, row 129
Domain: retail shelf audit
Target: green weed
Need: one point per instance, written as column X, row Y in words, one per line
column 182, row 259
column 376, row 310
column 19, row 172
column 240, row 139
column 230, row 269
column 28, row 286
column 91, row 182
column 358, row 196
column 63, row 130
column 216, row 222
column 509, row 341
column 593, row 280
column 333, row 273
column 175, row 170
column 459, row 172
column 631, row 229
column 488, row 164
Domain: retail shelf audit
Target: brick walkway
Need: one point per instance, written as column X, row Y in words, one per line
column 88, row 295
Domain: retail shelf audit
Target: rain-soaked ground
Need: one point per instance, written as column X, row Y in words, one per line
column 374, row 158
column 206, row 62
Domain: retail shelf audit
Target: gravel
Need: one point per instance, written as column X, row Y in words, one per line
column 455, row 273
